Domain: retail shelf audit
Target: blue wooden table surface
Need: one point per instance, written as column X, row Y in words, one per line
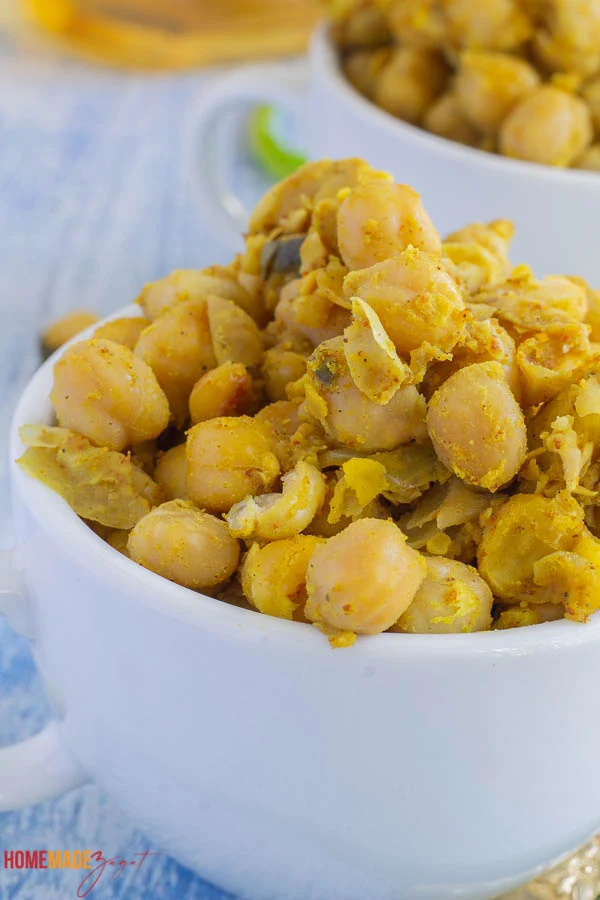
column 95, row 200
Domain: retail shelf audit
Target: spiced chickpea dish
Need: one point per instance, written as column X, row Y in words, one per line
column 356, row 424
column 515, row 77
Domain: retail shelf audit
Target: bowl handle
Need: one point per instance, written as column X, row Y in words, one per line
column 211, row 162
column 40, row 768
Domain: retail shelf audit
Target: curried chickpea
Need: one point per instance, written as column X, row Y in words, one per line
column 415, row 23
column 178, row 348
column 453, row 599
column 568, row 39
column 492, row 25
column 104, row 392
column 282, row 420
column 548, row 126
column 518, row 535
column 485, row 341
column 446, row 118
column 489, row 85
column 194, row 284
column 365, row 26
column 591, row 94
column 360, row 590
column 289, row 315
column 377, row 221
column 185, row 545
column 477, row 427
column 228, row 459
column 410, row 81
column 62, row 330
column 552, row 359
column 274, row 576
column 171, row 473
column 281, row 367
column 234, row 333
column 224, row 391
column 315, row 181
column 349, row 416
column 416, row 299
column 363, row 67
column 272, row 517
column 124, row 331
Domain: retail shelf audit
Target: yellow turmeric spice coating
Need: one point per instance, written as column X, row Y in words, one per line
column 357, row 424
column 477, row 426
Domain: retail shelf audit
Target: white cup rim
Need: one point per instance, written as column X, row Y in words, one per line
column 198, row 610
column 324, row 57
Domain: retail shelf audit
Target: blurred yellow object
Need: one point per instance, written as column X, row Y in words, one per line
column 160, row 34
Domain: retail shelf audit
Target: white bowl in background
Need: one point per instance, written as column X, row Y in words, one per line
column 556, row 211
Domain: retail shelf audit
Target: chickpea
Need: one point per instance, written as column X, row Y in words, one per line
column 569, row 37
column 178, row 347
column 282, row 417
column 279, row 368
column 282, row 421
column 590, row 159
column 363, row 591
column 288, row 313
column 185, row 545
column 363, row 67
column 477, row 427
column 62, row 330
column 410, row 81
column 362, row 26
column 144, row 456
column 472, row 266
column 521, row 532
column 453, row 599
column 275, row 516
column 193, row 284
column 489, row 85
column 591, row 94
column 416, row 299
column 377, row 221
column 593, row 314
column 102, row 391
column 492, row 236
column 485, row 341
column 529, row 614
column 348, row 416
column 416, row 23
column 525, row 305
column 309, row 184
column 171, row 473
column 235, row 335
column 492, row 25
column 548, row 126
column 224, row 391
column 228, row 459
column 118, row 539
column 445, row 117
column 124, row 331
column 274, row 576
column 552, row 359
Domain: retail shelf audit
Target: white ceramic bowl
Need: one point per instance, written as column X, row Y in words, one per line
column 405, row 767
column 556, row 211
